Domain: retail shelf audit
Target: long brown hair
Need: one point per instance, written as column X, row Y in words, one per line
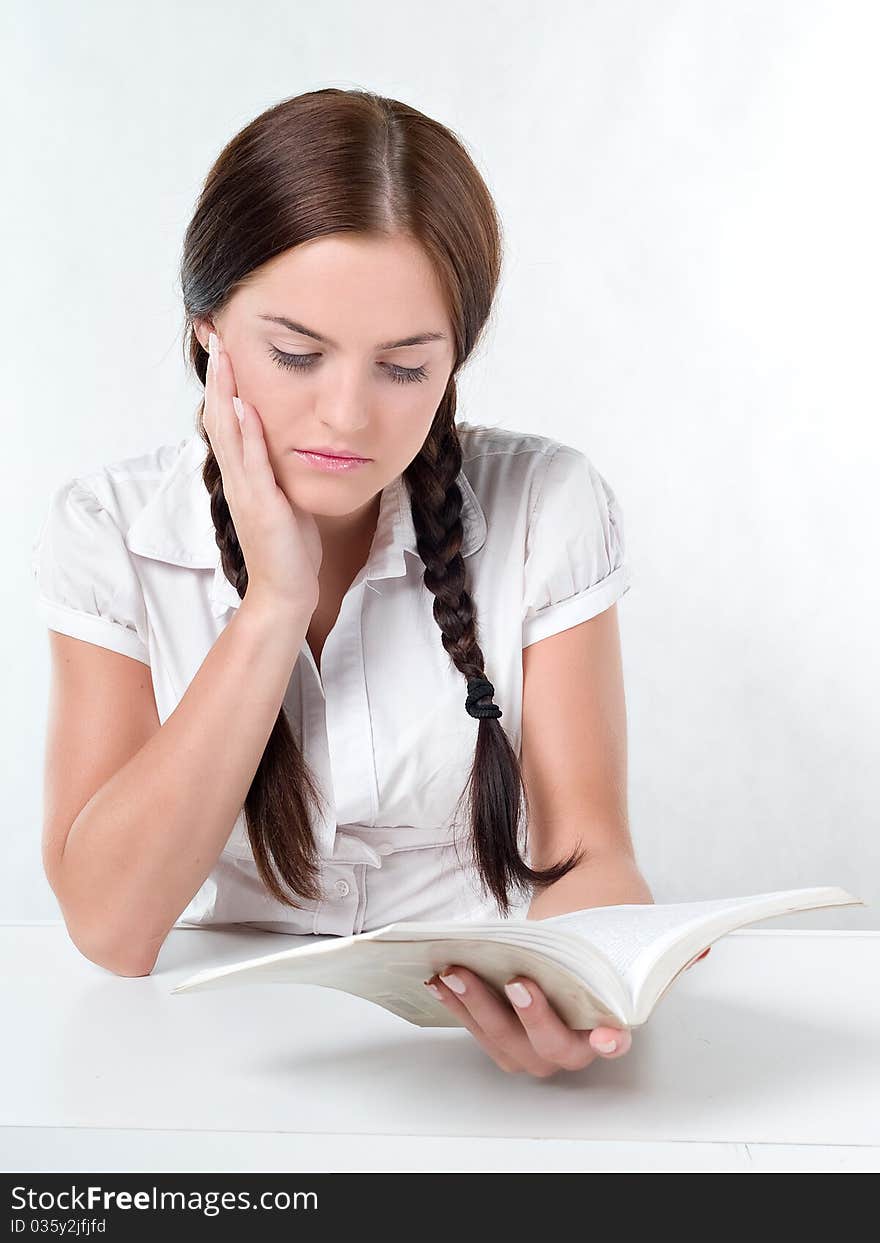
column 325, row 162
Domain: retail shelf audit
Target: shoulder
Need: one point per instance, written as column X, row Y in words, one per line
column 88, row 516
column 507, row 467
column 122, row 487
column 483, row 446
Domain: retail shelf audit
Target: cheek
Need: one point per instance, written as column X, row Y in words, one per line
column 406, row 442
column 417, row 412
column 259, row 382
column 426, row 408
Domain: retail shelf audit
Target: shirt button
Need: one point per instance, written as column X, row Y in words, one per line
column 341, row 888
column 384, row 848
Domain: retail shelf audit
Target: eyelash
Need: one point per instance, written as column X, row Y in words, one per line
column 401, row 375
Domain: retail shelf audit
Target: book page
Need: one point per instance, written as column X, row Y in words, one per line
column 624, row 932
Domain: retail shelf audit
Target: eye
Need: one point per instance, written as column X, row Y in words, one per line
column 302, row 362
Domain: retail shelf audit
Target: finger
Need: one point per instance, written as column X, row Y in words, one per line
column 503, row 1060
column 255, row 452
column 222, row 383
column 550, row 1036
column 504, row 1037
column 602, row 1037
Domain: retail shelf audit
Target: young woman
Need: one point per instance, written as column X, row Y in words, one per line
column 358, row 615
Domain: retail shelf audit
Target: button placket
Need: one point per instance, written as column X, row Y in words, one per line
column 349, row 728
column 360, row 914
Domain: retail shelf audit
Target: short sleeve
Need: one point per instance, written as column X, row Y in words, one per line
column 575, row 564
column 86, row 583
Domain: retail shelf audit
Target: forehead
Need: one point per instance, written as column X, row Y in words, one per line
column 348, row 284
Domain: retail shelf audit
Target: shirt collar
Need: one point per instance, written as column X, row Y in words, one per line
column 176, row 526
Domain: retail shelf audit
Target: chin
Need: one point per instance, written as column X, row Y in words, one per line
column 328, row 500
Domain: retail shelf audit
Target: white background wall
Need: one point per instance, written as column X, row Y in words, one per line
column 690, row 198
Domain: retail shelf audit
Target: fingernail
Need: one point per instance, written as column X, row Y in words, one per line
column 607, row 1047
column 236, row 402
column 518, row 994
column 455, row 982
column 432, row 988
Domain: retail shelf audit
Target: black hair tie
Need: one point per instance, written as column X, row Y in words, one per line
column 479, row 688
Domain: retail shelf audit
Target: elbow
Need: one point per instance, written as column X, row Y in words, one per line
column 120, row 963
column 130, row 969
column 119, row 959
column 115, row 954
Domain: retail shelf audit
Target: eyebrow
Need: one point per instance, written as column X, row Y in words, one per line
column 420, row 338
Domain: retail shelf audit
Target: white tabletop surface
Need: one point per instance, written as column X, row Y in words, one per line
column 763, row 1056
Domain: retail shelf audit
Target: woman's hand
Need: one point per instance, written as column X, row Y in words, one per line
column 526, row 1033
column 530, row 1037
column 280, row 543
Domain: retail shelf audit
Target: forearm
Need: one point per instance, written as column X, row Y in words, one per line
column 602, row 881
column 148, row 838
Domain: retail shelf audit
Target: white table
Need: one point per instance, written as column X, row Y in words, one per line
column 735, row 1070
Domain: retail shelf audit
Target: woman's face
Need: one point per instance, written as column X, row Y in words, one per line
column 355, row 390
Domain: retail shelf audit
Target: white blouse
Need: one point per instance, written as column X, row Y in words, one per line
column 126, row 558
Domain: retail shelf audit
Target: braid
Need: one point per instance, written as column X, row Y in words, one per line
column 497, row 793
column 276, row 809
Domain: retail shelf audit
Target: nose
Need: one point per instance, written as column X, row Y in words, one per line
column 343, row 407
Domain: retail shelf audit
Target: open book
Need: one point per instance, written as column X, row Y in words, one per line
column 603, row 965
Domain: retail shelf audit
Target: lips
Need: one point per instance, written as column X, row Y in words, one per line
column 331, row 453
column 331, row 465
